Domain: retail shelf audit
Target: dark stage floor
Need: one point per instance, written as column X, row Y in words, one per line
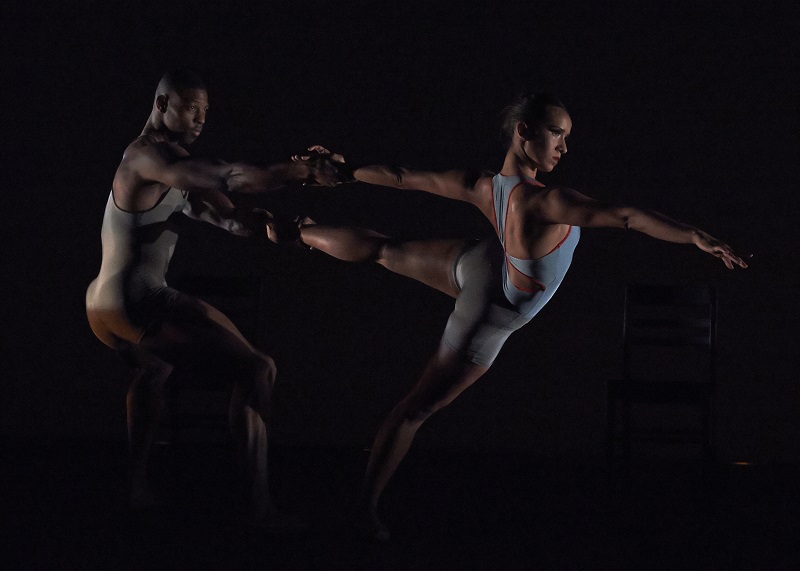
column 65, row 507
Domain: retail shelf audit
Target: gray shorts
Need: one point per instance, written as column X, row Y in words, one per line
column 482, row 319
column 149, row 307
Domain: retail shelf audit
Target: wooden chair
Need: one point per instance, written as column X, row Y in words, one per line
column 668, row 362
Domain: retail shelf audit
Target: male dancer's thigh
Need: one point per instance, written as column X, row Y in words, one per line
column 193, row 334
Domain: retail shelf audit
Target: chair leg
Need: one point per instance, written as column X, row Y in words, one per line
column 625, row 464
column 626, row 430
column 708, row 449
column 611, row 423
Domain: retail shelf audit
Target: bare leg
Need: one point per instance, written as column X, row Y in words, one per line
column 249, row 417
column 145, row 409
column 446, row 376
column 197, row 336
column 250, row 437
column 427, row 261
column 249, row 414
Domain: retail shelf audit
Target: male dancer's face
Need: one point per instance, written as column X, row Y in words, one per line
column 185, row 114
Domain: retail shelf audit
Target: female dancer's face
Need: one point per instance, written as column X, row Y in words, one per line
column 546, row 142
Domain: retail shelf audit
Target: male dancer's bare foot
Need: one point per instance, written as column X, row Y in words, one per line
column 143, row 498
column 370, row 527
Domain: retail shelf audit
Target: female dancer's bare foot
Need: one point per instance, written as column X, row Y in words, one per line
column 287, row 231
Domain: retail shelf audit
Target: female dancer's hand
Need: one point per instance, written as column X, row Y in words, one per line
column 717, row 248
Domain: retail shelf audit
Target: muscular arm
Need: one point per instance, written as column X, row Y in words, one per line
column 455, row 184
column 215, row 208
column 566, row 206
column 158, row 164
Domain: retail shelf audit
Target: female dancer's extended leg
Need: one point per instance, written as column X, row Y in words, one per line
column 427, row 261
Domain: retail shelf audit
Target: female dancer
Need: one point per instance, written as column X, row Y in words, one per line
column 498, row 284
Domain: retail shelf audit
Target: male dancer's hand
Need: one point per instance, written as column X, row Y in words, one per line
column 326, row 164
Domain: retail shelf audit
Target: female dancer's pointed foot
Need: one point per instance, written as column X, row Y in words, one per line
column 286, row 231
column 282, row 231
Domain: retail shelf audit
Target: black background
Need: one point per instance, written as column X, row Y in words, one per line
column 689, row 109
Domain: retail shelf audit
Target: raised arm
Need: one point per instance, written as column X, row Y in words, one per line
column 567, row 206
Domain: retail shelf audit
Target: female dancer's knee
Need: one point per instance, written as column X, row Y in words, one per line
column 415, row 412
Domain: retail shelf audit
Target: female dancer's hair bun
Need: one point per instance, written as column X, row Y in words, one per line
column 530, row 107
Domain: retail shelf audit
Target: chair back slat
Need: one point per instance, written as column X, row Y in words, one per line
column 672, row 320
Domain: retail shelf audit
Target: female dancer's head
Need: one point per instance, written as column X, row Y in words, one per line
column 536, row 127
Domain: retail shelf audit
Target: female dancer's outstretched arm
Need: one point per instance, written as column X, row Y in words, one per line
column 566, row 206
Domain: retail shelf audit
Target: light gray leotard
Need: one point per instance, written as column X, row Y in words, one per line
column 489, row 307
column 131, row 292
column 548, row 271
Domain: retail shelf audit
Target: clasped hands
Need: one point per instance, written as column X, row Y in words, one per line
column 325, row 167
